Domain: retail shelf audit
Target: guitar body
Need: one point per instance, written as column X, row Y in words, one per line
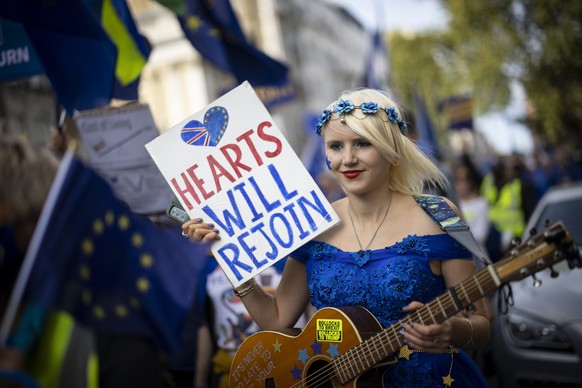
column 347, row 346
column 272, row 359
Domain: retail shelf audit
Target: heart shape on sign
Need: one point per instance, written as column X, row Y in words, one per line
column 208, row 134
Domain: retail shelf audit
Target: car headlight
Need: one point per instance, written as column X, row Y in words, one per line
column 528, row 332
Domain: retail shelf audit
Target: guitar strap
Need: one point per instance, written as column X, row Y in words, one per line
column 440, row 211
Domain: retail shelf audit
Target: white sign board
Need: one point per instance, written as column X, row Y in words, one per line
column 230, row 165
column 114, row 139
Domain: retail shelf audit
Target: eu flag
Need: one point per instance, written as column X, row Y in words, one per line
column 113, row 270
column 77, row 54
column 213, row 29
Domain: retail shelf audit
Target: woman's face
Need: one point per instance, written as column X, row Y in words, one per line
column 354, row 161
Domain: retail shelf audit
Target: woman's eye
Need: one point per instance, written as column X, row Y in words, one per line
column 364, row 144
column 335, row 146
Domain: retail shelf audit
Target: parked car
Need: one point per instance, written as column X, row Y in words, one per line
column 539, row 341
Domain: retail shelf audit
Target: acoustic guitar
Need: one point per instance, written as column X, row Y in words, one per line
column 347, row 346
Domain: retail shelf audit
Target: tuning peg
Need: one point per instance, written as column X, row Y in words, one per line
column 533, row 231
column 516, row 241
column 547, row 223
column 553, row 272
column 537, row 283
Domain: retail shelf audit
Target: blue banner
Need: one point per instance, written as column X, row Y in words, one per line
column 18, row 59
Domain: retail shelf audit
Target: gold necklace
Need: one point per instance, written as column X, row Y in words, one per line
column 377, row 229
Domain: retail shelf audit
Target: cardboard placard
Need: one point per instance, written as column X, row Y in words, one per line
column 230, row 165
column 114, row 139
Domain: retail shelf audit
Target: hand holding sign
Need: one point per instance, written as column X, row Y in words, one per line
column 230, row 166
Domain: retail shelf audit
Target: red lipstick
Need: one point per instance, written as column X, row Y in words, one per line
column 352, row 174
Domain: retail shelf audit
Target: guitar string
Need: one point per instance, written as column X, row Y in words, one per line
column 326, row 373
column 475, row 285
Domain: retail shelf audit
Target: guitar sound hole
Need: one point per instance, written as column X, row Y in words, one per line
column 318, row 377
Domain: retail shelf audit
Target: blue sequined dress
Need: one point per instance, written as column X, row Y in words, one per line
column 384, row 281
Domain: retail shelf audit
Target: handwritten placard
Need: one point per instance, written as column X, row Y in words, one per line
column 230, row 165
column 114, row 139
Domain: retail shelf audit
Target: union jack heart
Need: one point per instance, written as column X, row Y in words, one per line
column 208, row 134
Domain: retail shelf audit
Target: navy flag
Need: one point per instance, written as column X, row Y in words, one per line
column 427, row 139
column 213, row 29
column 91, row 51
column 113, row 270
column 377, row 74
column 76, row 53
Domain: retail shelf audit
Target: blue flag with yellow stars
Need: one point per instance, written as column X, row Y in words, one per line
column 113, row 270
column 213, row 29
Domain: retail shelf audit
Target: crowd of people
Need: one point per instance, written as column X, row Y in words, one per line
column 497, row 200
column 386, row 255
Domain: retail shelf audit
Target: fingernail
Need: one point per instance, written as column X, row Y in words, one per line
column 218, row 238
column 403, row 326
column 210, row 225
column 198, row 220
column 216, row 231
column 401, row 332
column 405, row 341
column 412, row 325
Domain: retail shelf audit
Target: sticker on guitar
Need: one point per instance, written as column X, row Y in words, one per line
column 347, row 346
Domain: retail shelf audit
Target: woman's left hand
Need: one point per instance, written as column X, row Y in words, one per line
column 433, row 338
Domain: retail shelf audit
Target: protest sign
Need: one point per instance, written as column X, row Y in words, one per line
column 230, row 165
column 114, row 139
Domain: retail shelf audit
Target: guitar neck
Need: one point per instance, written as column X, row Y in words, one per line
column 370, row 352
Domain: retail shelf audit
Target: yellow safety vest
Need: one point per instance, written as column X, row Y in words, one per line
column 65, row 356
column 505, row 210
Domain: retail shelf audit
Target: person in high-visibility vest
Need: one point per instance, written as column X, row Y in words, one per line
column 504, row 192
column 48, row 347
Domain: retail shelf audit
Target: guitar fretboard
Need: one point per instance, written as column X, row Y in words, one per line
column 370, row 352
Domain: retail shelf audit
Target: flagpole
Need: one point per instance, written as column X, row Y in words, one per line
column 380, row 16
column 33, row 247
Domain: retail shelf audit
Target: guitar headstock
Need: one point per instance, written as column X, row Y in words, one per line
column 540, row 251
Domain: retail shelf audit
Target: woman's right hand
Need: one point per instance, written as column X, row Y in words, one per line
column 197, row 230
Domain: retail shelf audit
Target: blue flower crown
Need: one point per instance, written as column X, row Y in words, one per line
column 368, row 108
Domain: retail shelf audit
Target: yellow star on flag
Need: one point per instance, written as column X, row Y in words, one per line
column 146, row 260
column 109, row 218
column 137, row 240
column 87, row 246
column 99, row 312
column 193, row 23
column 143, row 284
column 98, row 227
column 121, row 311
column 123, row 222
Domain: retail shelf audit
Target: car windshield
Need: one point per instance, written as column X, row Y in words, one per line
column 569, row 212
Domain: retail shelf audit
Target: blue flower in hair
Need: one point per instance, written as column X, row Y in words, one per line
column 403, row 127
column 323, row 118
column 343, row 106
column 392, row 114
column 369, row 107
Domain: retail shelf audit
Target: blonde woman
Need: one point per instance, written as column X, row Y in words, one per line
column 386, row 255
